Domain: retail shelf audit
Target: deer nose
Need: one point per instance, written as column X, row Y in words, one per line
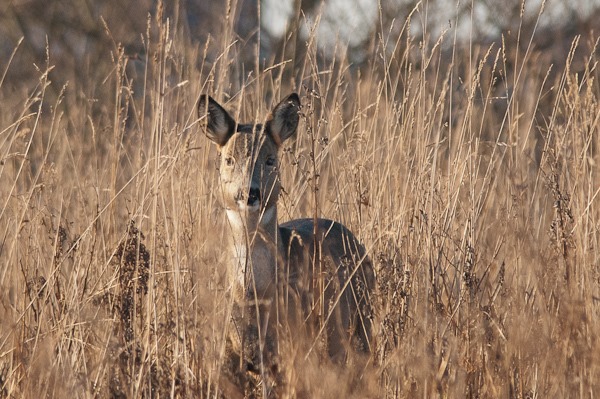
column 254, row 196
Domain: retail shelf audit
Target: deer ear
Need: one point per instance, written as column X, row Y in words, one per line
column 283, row 121
column 219, row 125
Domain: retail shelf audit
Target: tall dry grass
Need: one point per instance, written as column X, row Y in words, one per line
column 470, row 172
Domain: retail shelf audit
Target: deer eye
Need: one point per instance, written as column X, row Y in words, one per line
column 271, row 161
column 229, row 161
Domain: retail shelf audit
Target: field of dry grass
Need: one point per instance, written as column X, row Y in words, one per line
column 470, row 173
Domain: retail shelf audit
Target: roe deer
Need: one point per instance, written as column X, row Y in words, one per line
column 289, row 275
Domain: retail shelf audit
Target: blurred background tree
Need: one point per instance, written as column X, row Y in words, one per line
column 79, row 34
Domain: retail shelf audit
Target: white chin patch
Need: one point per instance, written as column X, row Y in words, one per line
column 244, row 207
column 242, row 217
column 236, row 219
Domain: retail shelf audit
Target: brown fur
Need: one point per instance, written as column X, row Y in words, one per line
column 281, row 287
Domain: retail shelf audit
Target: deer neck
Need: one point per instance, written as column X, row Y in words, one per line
column 255, row 247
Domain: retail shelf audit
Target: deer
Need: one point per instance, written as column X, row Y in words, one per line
column 308, row 275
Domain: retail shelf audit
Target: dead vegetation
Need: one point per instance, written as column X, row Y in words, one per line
column 469, row 172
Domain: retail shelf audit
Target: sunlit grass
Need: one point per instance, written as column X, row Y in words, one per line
column 471, row 179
